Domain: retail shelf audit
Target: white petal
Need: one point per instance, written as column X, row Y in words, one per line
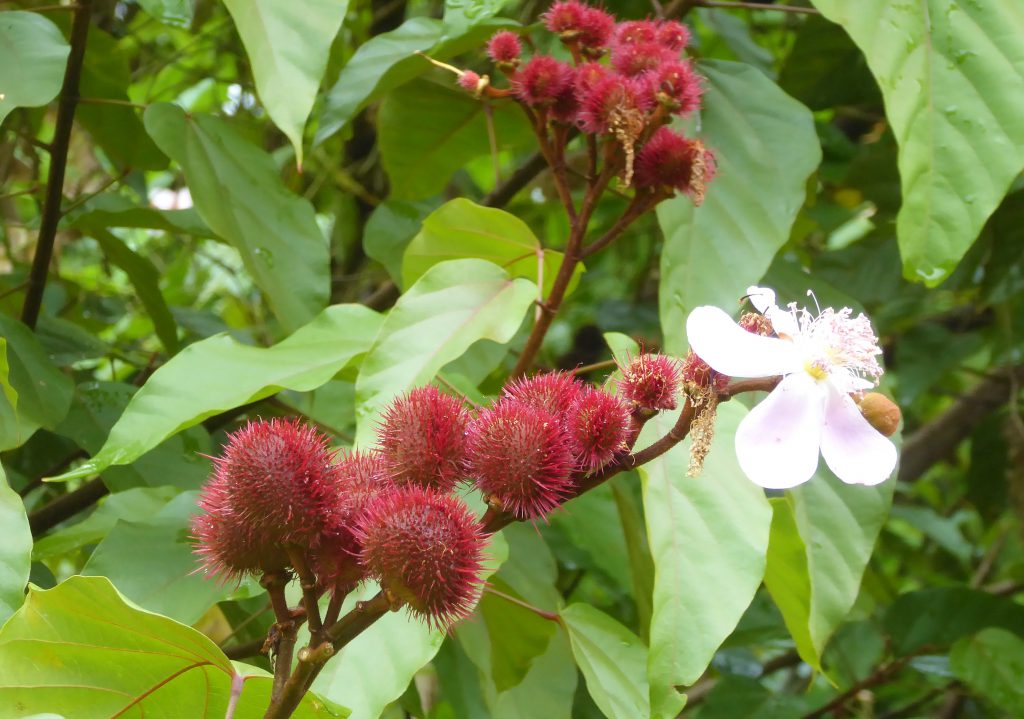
column 777, row 443
column 733, row 351
column 857, row 452
column 761, row 297
column 783, row 322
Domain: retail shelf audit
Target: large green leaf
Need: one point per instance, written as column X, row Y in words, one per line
column 823, row 533
column 463, row 229
column 43, row 392
column 238, row 192
column 390, row 229
column 450, row 307
column 219, row 374
column 80, row 649
column 762, row 138
column 15, row 549
column 613, row 661
column 708, row 536
column 941, row 615
column 389, row 60
column 33, row 54
column 952, row 77
column 375, row 668
column 518, row 636
column 151, row 561
column 992, row 664
column 288, row 44
column 450, row 130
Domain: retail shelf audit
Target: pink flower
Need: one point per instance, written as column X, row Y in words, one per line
column 822, row 359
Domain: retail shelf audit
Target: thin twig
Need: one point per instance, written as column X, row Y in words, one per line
column 111, row 101
column 550, row 616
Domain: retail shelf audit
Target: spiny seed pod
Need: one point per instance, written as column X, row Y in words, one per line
column 426, row 549
column 505, row 48
column 757, row 324
column 671, row 161
column 360, row 476
column 472, row 82
column 678, row 87
column 651, row 381
column 613, row 100
column 633, row 32
column 541, row 81
column 553, row 392
column 423, row 439
column 673, row 35
column 595, row 31
column 696, row 371
column 520, row 458
column 881, row 412
column 276, row 478
column 564, row 18
column 640, row 58
column 599, row 427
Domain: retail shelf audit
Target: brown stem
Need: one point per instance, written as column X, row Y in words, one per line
column 550, row 616
column 284, row 632
column 66, row 505
column 307, row 581
column 58, row 165
column 637, row 207
column 879, row 676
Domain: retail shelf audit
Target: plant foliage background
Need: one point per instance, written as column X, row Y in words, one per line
column 869, row 150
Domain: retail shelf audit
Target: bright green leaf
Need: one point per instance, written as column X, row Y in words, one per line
column 33, row 54
column 170, row 12
column 762, row 138
column 450, row 130
column 288, row 44
column 708, row 536
column 15, row 550
column 238, row 192
column 992, row 664
column 952, row 77
column 221, row 374
column 450, row 307
column 613, row 661
column 463, row 229
column 460, row 15
column 82, row 650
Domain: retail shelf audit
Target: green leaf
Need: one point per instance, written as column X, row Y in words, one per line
column 518, row 636
column 15, row 550
column 82, row 650
column 238, row 192
column 952, row 77
column 33, row 54
column 146, row 280
column 389, row 60
column 221, row 374
column 450, row 307
column 450, row 130
column 108, row 210
column 762, row 138
column 9, row 432
column 288, row 44
column 623, row 346
column 708, row 536
column 136, row 505
column 151, row 562
column 941, row 615
column 992, row 664
column 823, row 534
column 43, row 392
column 389, row 231
column 460, row 15
column 374, row 669
column 177, row 13
column 463, row 229
column 613, row 661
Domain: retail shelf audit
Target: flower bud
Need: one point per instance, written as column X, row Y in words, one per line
column 423, row 439
column 599, row 427
column 520, row 458
column 426, row 549
column 651, row 381
column 472, row 82
column 505, row 48
column 881, row 412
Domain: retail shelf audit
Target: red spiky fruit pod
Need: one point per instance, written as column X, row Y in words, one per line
column 423, row 439
column 756, row 323
column 614, row 100
column 278, row 478
column 651, row 381
column 564, row 18
column 426, row 549
column 673, row 35
column 639, row 58
column 553, row 392
column 669, row 161
column 361, row 476
column 599, row 428
column 595, row 32
column 541, row 81
column 633, row 32
column 471, row 82
column 505, row 48
column 520, row 458
column 677, row 87
column 589, row 74
column 696, row 371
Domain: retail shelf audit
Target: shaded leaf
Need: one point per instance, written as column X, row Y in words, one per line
column 941, row 615
column 33, row 54
column 390, row 229
column 518, row 636
column 761, row 138
column 15, row 550
column 992, row 664
column 221, row 374
column 170, row 12
column 952, row 76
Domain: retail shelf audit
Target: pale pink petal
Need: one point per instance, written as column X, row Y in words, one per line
column 783, row 322
column 731, row 350
column 777, row 442
column 854, row 450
